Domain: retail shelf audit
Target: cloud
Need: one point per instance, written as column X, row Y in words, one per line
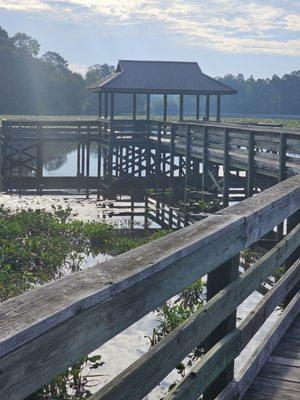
column 81, row 69
column 233, row 26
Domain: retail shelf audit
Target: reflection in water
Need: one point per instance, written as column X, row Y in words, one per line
column 60, row 159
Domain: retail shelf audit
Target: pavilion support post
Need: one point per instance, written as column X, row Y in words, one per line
column 218, row 108
column 181, row 107
column 105, row 104
column 207, row 107
column 100, row 105
column 148, row 107
column 134, row 106
column 165, row 106
column 216, row 281
column 197, row 106
column 112, row 105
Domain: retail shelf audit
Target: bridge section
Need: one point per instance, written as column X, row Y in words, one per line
column 48, row 329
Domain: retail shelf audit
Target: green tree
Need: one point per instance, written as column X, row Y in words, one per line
column 27, row 43
column 98, row 71
column 56, row 60
column 95, row 73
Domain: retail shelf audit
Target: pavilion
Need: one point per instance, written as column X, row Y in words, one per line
column 165, row 78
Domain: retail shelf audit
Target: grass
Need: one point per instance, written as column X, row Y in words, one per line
column 288, row 123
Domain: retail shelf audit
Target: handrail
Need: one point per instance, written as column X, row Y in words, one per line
column 46, row 330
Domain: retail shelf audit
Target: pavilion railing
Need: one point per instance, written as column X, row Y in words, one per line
column 264, row 151
column 48, row 329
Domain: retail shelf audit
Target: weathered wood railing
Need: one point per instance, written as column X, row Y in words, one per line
column 48, row 329
column 270, row 152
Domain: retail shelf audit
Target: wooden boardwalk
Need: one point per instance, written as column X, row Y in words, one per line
column 73, row 316
column 279, row 378
column 142, row 154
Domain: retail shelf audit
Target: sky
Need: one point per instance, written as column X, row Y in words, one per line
column 255, row 37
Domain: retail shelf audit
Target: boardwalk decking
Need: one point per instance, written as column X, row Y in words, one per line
column 279, row 378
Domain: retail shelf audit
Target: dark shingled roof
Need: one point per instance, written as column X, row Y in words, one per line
column 160, row 77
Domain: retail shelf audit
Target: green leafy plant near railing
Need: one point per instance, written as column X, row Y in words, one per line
column 37, row 246
column 176, row 311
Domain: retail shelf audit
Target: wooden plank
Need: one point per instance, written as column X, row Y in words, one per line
column 258, row 359
column 203, row 373
column 280, row 372
column 173, row 348
column 285, row 361
column 285, row 385
column 263, row 393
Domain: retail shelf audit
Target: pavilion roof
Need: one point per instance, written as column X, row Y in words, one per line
column 160, row 77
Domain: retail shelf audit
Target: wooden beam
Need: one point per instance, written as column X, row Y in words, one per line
column 251, row 161
column 207, row 107
column 181, row 107
column 148, row 107
column 112, row 105
column 100, row 104
column 216, row 281
column 226, row 168
column 218, row 108
column 205, row 162
column 134, row 106
column 165, row 107
column 105, row 104
column 197, row 106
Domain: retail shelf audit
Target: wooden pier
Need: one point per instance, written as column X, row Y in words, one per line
column 135, row 155
column 48, row 329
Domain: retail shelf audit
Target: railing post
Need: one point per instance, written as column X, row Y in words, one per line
column 88, row 145
column 205, row 168
column 40, row 158
column 216, row 281
column 226, row 169
column 172, row 140
column 281, row 175
column 292, row 222
column 187, row 167
column 2, row 157
column 282, row 157
column 99, row 159
column 250, row 168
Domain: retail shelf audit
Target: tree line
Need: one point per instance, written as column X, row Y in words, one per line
column 35, row 84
